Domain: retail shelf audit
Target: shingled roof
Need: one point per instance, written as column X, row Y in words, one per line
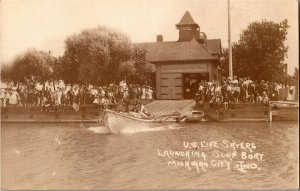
column 176, row 51
column 187, row 20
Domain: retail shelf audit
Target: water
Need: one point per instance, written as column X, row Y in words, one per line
column 74, row 156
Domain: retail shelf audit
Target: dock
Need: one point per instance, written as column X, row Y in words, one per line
column 34, row 114
column 285, row 111
column 165, row 107
column 251, row 112
column 27, row 114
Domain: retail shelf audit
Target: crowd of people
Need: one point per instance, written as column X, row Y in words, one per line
column 57, row 96
column 230, row 91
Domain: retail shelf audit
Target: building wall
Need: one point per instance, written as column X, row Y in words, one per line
column 158, row 84
column 169, row 76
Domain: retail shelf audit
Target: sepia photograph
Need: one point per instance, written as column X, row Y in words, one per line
column 149, row 94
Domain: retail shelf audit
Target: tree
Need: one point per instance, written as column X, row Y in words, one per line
column 94, row 56
column 224, row 62
column 5, row 71
column 32, row 64
column 137, row 71
column 65, row 69
column 260, row 52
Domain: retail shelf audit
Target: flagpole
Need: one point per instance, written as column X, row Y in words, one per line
column 229, row 43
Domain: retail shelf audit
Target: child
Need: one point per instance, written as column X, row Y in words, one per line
column 219, row 100
column 226, row 101
column 258, row 98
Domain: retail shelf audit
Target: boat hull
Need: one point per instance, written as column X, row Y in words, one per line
column 123, row 123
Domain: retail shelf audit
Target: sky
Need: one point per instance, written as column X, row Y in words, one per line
column 45, row 24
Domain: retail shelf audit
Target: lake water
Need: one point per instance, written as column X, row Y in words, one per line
column 186, row 156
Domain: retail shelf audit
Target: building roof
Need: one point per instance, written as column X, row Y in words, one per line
column 176, row 51
column 187, row 20
column 214, row 46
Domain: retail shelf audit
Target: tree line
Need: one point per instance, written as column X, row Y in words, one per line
column 260, row 53
column 97, row 56
column 100, row 56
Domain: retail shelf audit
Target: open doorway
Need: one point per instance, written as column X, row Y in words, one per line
column 191, row 83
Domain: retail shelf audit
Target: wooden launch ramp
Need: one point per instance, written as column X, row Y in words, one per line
column 165, row 107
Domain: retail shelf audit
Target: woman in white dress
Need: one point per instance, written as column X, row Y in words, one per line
column 13, row 98
column 291, row 93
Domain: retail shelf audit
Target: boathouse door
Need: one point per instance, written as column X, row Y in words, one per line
column 171, row 86
column 191, row 83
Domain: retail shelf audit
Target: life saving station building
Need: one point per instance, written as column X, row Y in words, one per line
column 182, row 64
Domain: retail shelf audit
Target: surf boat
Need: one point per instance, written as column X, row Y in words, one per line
column 118, row 122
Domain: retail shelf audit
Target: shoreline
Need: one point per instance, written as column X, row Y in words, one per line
column 92, row 114
column 51, row 121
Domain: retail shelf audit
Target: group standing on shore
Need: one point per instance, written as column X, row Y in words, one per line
column 57, row 96
column 231, row 91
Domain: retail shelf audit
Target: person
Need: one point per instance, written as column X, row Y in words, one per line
column 75, row 106
column 263, row 87
column 291, row 93
column 47, row 105
column 134, row 114
column 139, row 92
column 226, row 101
column 143, row 96
column 96, row 101
column 58, row 95
column 188, row 90
column 236, row 92
column 2, row 97
column 150, row 93
column 123, row 84
column 126, row 93
column 265, row 99
column 13, row 98
column 134, row 93
column 218, row 100
column 104, row 102
column 70, row 95
column 243, row 93
column 235, row 80
column 143, row 112
column 200, row 96
column 251, row 92
column 275, row 92
column 127, row 102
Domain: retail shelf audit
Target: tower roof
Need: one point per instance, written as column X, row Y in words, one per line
column 187, row 20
